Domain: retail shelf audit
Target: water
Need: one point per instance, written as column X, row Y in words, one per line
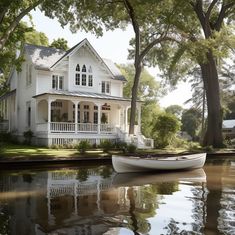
column 96, row 200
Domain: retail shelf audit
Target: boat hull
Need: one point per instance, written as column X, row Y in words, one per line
column 122, row 164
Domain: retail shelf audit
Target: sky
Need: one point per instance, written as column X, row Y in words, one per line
column 112, row 45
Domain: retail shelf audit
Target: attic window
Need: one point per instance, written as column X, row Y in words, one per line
column 83, row 77
column 78, row 68
column 84, row 68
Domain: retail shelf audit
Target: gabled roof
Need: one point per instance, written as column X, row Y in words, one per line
column 46, row 58
column 43, row 57
column 229, row 123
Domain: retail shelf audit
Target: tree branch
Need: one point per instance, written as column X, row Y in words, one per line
column 15, row 22
column 222, row 15
column 208, row 13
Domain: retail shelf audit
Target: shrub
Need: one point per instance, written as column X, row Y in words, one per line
column 120, row 145
column 131, row 148
column 164, row 130
column 106, row 145
column 83, row 146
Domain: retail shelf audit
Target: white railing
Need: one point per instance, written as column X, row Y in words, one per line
column 107, row 128
column 62, row 127
column 87, row 127
column 67, row 127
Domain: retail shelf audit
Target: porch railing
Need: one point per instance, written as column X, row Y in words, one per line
column 67, row 127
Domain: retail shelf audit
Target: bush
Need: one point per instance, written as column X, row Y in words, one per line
column 106, row 145
column 165, row 128
column 120, row 145
column 131, row 148
column 83, row 146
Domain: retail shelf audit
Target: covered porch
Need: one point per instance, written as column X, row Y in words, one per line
column 79, row 116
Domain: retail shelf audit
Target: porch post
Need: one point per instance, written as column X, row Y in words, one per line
column 76, row 115
column 139, row 118
column 49, row 114
column 99, row 117
column 126, row 119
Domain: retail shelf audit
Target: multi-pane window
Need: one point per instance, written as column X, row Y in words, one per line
column 83, row 79
column 90, row 80
column 84, row 76
column 57, row 82
column 95, row 117
column 86, row 116
column 77, row 79
column 105, row 87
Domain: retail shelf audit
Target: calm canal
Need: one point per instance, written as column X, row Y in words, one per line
column 96, row 200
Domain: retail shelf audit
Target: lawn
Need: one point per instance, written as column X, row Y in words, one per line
column 31, row 152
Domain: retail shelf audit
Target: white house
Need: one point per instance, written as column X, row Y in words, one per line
column 228, row 128
column 67, row 96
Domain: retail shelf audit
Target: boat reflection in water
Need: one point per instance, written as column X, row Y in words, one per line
column 96, row 200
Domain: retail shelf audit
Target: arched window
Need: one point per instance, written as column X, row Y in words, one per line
column 83, row 77
column 84, row 68
column 77, row 75
column 78, row 68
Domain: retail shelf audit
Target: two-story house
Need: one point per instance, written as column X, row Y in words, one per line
column 68, row 96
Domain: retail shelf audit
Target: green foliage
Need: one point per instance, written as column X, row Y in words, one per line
column 191, row 120
column 83, row 146
column 165, row 128
column 149, row 91
column 121, row 145
column 175, row 110
column 60, row 43
column 106, row 145
column 36, row 38
column 131, row 148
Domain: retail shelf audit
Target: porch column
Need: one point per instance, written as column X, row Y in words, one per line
column 49, row 114
column 76, row 115
column 139, row 118
column 99, row 118
column 126, row 118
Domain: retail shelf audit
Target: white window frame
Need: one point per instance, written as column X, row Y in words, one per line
column 57, row 82
column 105, row 87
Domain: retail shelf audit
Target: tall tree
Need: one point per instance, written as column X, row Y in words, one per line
column 149, row 91
column 202, row 37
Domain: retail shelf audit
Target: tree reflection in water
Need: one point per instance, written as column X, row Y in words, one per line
column 90, row 200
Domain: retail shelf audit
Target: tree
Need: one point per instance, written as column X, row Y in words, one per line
column 191, row 120
column 60, row 43
column 36, row 38
column 202, row 37
column 175, row 110
column 148, row 91
column 165, row 128
column 11, row 13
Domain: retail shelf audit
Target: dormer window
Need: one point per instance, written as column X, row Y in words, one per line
column 57, row 82
column 83, row 77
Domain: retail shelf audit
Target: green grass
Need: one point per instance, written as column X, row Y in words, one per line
column 31, row 152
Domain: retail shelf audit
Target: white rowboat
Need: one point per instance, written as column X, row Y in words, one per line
column 122, row 164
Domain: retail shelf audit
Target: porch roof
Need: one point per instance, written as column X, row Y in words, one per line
column 83, row 94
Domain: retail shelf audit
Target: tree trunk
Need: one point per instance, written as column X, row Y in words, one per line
column 134, row 97
column 213, row 134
